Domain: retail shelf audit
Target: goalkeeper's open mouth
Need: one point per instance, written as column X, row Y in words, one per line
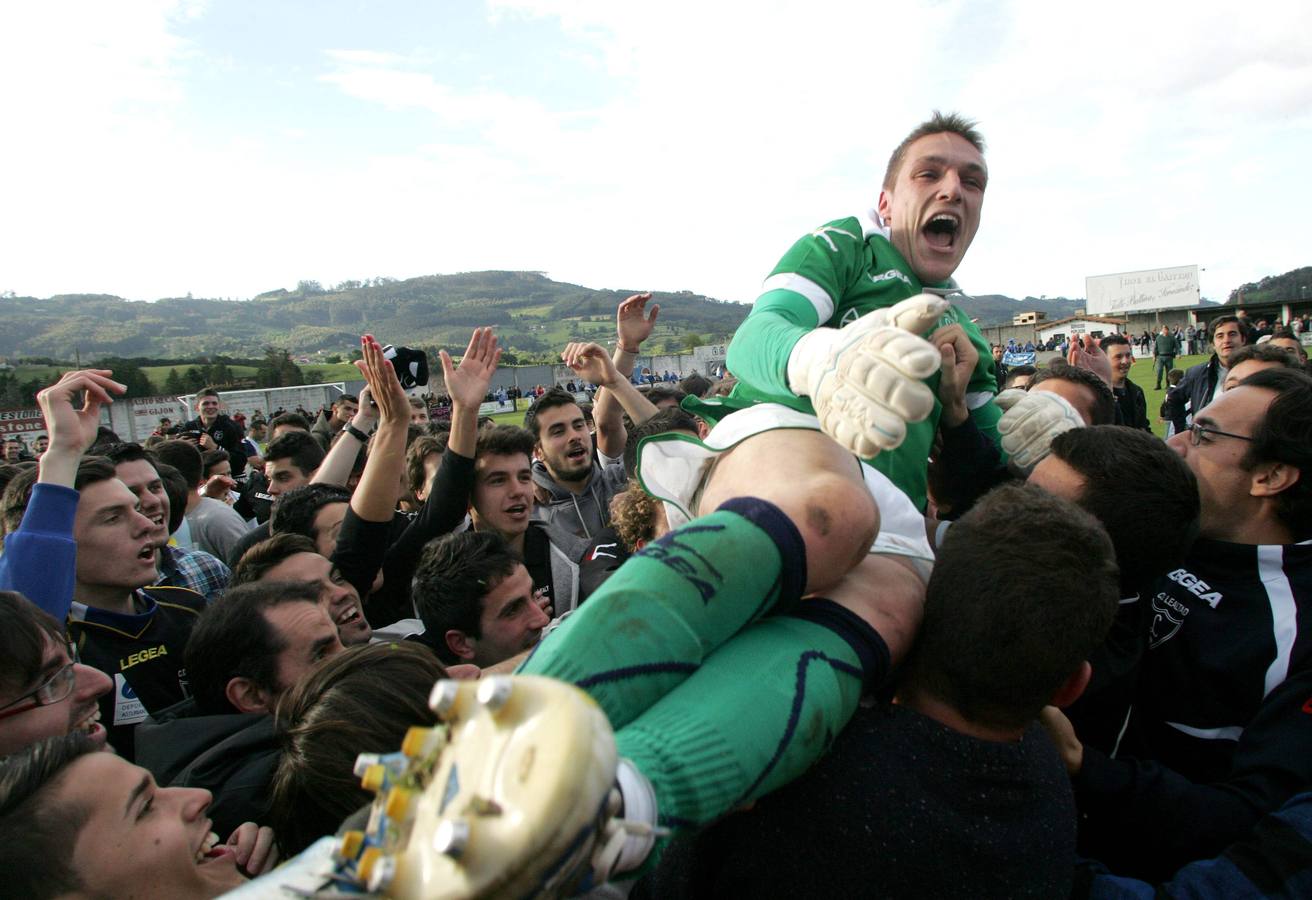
column 941, row 231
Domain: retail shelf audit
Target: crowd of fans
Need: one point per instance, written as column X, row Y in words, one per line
column 876, row 614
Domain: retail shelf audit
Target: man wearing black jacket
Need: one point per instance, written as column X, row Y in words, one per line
column 1205, row 381
column 1221, row 730
column 217, row 430
column 245, row 652
column 1131, row 404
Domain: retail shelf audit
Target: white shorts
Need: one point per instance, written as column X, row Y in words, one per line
column 673, row 467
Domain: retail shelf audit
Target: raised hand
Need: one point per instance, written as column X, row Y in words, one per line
column 631, row 325
column 366, row 415
column 1088, row 355
column 467, row 384
column 72, row 428
column 384, row 386
column 591, row 362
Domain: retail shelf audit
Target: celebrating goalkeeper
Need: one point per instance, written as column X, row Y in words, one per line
column 811, row 342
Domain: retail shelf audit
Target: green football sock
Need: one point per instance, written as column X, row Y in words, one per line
column 669, row 607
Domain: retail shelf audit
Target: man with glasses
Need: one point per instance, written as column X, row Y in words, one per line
column 1221, row 730
column 44, row 690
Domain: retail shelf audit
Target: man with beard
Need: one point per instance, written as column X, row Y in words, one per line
column 574, row 493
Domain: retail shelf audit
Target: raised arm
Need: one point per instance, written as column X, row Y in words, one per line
column 632, row 326
column 374, row 499
column 337, row 465
column 39, row 558
column 467, row 385
column 591, row 362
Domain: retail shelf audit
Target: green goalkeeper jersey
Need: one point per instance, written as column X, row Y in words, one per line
column 832, row 277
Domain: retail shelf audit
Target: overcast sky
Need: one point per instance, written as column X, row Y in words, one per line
column 152, row 148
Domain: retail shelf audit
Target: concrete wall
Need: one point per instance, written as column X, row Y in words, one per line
column 1000, row 334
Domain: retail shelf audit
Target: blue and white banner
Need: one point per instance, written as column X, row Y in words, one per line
column 1019, row 358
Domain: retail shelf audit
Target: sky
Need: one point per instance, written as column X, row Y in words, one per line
column 155, row 148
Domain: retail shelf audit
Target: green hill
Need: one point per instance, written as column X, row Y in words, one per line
column 532, row 313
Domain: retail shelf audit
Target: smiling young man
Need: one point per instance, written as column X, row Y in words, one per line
column 44, row 692
column 76, row 823
column 1131, row 404
column 502, row 502
column 793, row 341
column 293, row 557
column 217, row 430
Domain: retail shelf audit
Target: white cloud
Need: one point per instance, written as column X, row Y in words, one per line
column 1123, row 136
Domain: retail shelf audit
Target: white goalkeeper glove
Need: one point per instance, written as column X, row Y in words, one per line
column 1030, row 420
column 866, row 380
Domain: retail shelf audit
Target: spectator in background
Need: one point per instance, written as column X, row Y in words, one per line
column 1166, row 347
column 326, row 426
column 1286, row 340
column 217, row 430
column 1172, row 409
column 1131, row 404
column 1206, row 381
column 1020, row 377
column 291, row 461
column 285, row 422
column 418, row 412
column 696, row 385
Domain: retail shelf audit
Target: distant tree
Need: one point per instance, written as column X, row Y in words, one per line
column 692, row 340
column 333, row 359
column 278, row 369
column 309, row 287
column 347, row 286
column 11, row 392
column 354, row 355
column 173, row 383
column 130, row 374
column 193, row 380
column 219, row 374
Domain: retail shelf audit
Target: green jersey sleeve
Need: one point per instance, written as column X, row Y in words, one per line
column 800, row 295
column 983, row 384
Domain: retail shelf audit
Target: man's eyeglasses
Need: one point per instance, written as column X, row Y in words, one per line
column 55, row 688
column 1197, row 431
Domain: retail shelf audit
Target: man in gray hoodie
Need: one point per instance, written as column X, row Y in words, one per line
column 573, row 490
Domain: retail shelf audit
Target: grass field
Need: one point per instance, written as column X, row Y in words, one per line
column 1142, row 374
